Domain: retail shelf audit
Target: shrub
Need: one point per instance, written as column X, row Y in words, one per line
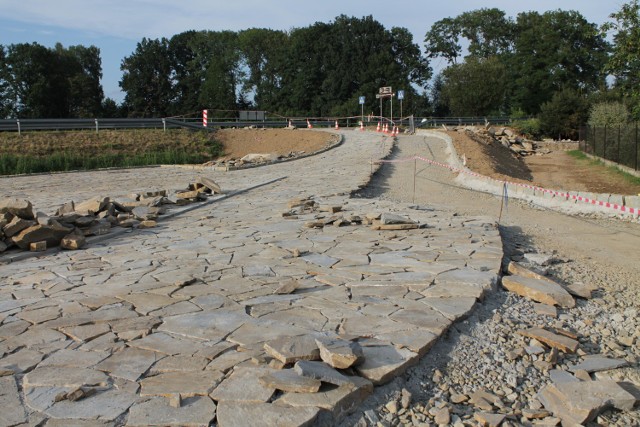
column 608, row 114
column 564, row 114
column 529, row 127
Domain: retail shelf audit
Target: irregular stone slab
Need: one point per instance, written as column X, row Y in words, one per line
column 320, row 259
column 16, row 225
column 184, row 384
column 210, row 184
column 17, row 207
column 487, row 419
column 212, row 326
column 428, row 318
column 487, row 280
column 73, row 241
column 291, row 349
column 545, row 309
column 129, row 363
column 180, row 364
column 417, row 340
column 598, row 363
column 257, row 271
column 337, row 400
column 228, row 360
column 237, row 414
column 250, row 334
column 560, row 342
column 287, row 287
column 21, row 361
column 454, row 289
column 40, row 315
column 243, row 385
column 558, row 376
column 381, row 364
column 193, row 412
column 92, row 206
column 87, row 332
column 581, row 402
column 51, row 376
column 389, row 218
column 321, row 371
column 104, row 405
column 289, row 380
column 457, row 308
column 340, row 354
column 539, row 290
column 12, row 412
column 147, row 302
column 167, row 344
column 51, row 234
column 74, row 358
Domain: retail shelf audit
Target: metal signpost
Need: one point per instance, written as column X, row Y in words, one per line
column 400, row 97
column 385, row 92
column 361, row 101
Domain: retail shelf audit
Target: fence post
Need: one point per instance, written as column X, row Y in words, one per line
column 164, row 125
column 618, row 158
column 96, row 125
column 604, row 143
column 636, row 160
column 18, row 122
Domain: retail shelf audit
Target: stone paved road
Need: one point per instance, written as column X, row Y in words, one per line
column 208, row 317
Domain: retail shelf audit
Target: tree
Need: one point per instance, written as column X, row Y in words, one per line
column 624, row 63
column 146, row 79
column 554, row 51
column 564, row 114
column 474, row 88
column 85, row 71
column 608, row 114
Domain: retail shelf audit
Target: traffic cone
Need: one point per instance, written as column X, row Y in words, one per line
column 395, row 131
column 385, row 129
column 378, row 127
column 290, row 124
column 309, row 126
column 337, row 127
column 362, row 126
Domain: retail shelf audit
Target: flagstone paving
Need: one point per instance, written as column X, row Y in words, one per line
column 189, row 323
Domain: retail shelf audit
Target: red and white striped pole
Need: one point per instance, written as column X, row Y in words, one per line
column 204, row 117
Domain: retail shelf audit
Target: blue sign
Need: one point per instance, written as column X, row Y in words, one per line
column 361, row 100
column 400, row 94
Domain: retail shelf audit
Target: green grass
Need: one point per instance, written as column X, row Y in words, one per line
column 37, row 152
column 580, row 156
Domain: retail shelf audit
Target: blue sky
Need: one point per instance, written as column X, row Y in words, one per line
column 116, row 26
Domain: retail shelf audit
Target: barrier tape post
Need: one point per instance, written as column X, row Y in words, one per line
column 505, row 201
column 415, row 161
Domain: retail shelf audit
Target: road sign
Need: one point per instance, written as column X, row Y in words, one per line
column 385, row 90
column 401, row 94
column 361, row 100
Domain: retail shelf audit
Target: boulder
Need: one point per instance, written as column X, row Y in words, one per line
column 17, row 207
column 544, row 291
column 16, row 225
column 52, row 234
column 92, row 206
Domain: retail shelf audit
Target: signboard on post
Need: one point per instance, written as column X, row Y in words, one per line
column 401, row 95
column 361, row 100
column 385, row 90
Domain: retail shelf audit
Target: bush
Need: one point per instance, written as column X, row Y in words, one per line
column 564, row 114
column 529, row 127
column 608, row 114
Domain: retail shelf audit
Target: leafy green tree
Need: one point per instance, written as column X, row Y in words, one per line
column 554, row 51
column 85, row 71
column 146, row 79
column 488, row 32
column 624, row 63
column 475, row 88
column 187, row 75
column 562, row 116
column 608, row 114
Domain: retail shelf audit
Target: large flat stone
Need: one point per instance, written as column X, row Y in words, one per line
column 167, row 344
column 184, row 384
column 417, row 340
column 74, row 358
column 194, row 412
column 455, row 308
column 539, row 290
column 581, row 402
column 338, row 400
column 321, row 371
column 596, row 363
column 129, row 363
column 427, row 318
column 383, row 363
column 12, row 412
column 21, row 361
column 291, row 349
column 238, row 414
column 18, row 207
column 244, row 385
column 290, row 380
column 51, row 376
column 211, row 326
column 104, row 405
column 340, row 354
column 560, row 342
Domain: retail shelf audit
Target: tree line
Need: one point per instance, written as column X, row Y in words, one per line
column 554, row 66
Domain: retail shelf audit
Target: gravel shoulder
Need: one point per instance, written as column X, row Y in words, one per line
column 601, row 253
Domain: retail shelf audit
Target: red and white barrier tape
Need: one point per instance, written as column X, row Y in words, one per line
column 615, row 206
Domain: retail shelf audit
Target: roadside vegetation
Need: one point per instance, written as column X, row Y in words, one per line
column 582, row 157
column 35, row 152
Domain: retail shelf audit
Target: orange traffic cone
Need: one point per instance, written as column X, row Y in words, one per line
column 337, row 127
column 362, row 126
column 386, row 128
column 309, row 126
column 378, row 127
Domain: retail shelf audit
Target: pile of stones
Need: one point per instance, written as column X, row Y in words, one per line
column 505, row 136
column 72, row 223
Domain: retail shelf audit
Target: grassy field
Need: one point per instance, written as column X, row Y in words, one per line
column 580, row 156
column 34, row 152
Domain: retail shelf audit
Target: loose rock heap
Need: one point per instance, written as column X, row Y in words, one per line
column 72, row 223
